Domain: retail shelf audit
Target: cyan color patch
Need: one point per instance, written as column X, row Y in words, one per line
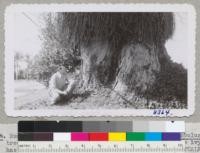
column 153, row 136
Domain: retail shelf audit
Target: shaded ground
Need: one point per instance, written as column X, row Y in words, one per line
column 33, row 95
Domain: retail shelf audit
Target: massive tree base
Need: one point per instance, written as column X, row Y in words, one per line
column 140, row 72
column 133, row 69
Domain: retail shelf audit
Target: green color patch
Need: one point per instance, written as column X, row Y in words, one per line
column 135, row 136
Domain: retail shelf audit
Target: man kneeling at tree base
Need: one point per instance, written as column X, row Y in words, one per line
column 60, row 88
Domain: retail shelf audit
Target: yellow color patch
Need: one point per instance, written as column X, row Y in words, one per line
column 117, row 136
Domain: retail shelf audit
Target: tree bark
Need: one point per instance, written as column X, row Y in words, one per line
column 133, row 72
column 138, row 65
column 96, row 61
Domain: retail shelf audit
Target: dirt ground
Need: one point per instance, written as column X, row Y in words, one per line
column 32, row 95
column 38, row 99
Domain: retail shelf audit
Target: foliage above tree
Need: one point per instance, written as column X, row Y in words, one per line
column 117, row 27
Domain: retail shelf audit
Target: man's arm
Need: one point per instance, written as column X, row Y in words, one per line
column 59, row 91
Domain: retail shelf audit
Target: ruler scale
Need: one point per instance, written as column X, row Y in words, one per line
column 61, row 147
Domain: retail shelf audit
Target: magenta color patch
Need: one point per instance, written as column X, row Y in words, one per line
column 79, row 136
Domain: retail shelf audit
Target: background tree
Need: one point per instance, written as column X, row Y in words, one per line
column 21, row 62
column 17, row 58
column 55, row 51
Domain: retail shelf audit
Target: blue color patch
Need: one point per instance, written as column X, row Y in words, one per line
column 153, row 136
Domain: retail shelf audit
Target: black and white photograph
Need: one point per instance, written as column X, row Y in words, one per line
column 99, row 60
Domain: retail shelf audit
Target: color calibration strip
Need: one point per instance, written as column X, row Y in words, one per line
column 99, row 136
column 100, row 130
column 101, row 126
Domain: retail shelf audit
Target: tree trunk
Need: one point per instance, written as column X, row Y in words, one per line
column 138, row 65
column 133, row 72
column 96, row 60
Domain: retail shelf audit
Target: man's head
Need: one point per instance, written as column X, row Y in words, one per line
column 62, row 70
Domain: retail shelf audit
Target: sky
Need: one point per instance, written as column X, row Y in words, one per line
column 27, row 29
column 177, row 46
column 26, row 36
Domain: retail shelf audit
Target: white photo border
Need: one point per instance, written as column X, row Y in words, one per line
column 9, row 58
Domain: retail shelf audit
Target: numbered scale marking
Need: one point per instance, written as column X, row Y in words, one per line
column 105, row 147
